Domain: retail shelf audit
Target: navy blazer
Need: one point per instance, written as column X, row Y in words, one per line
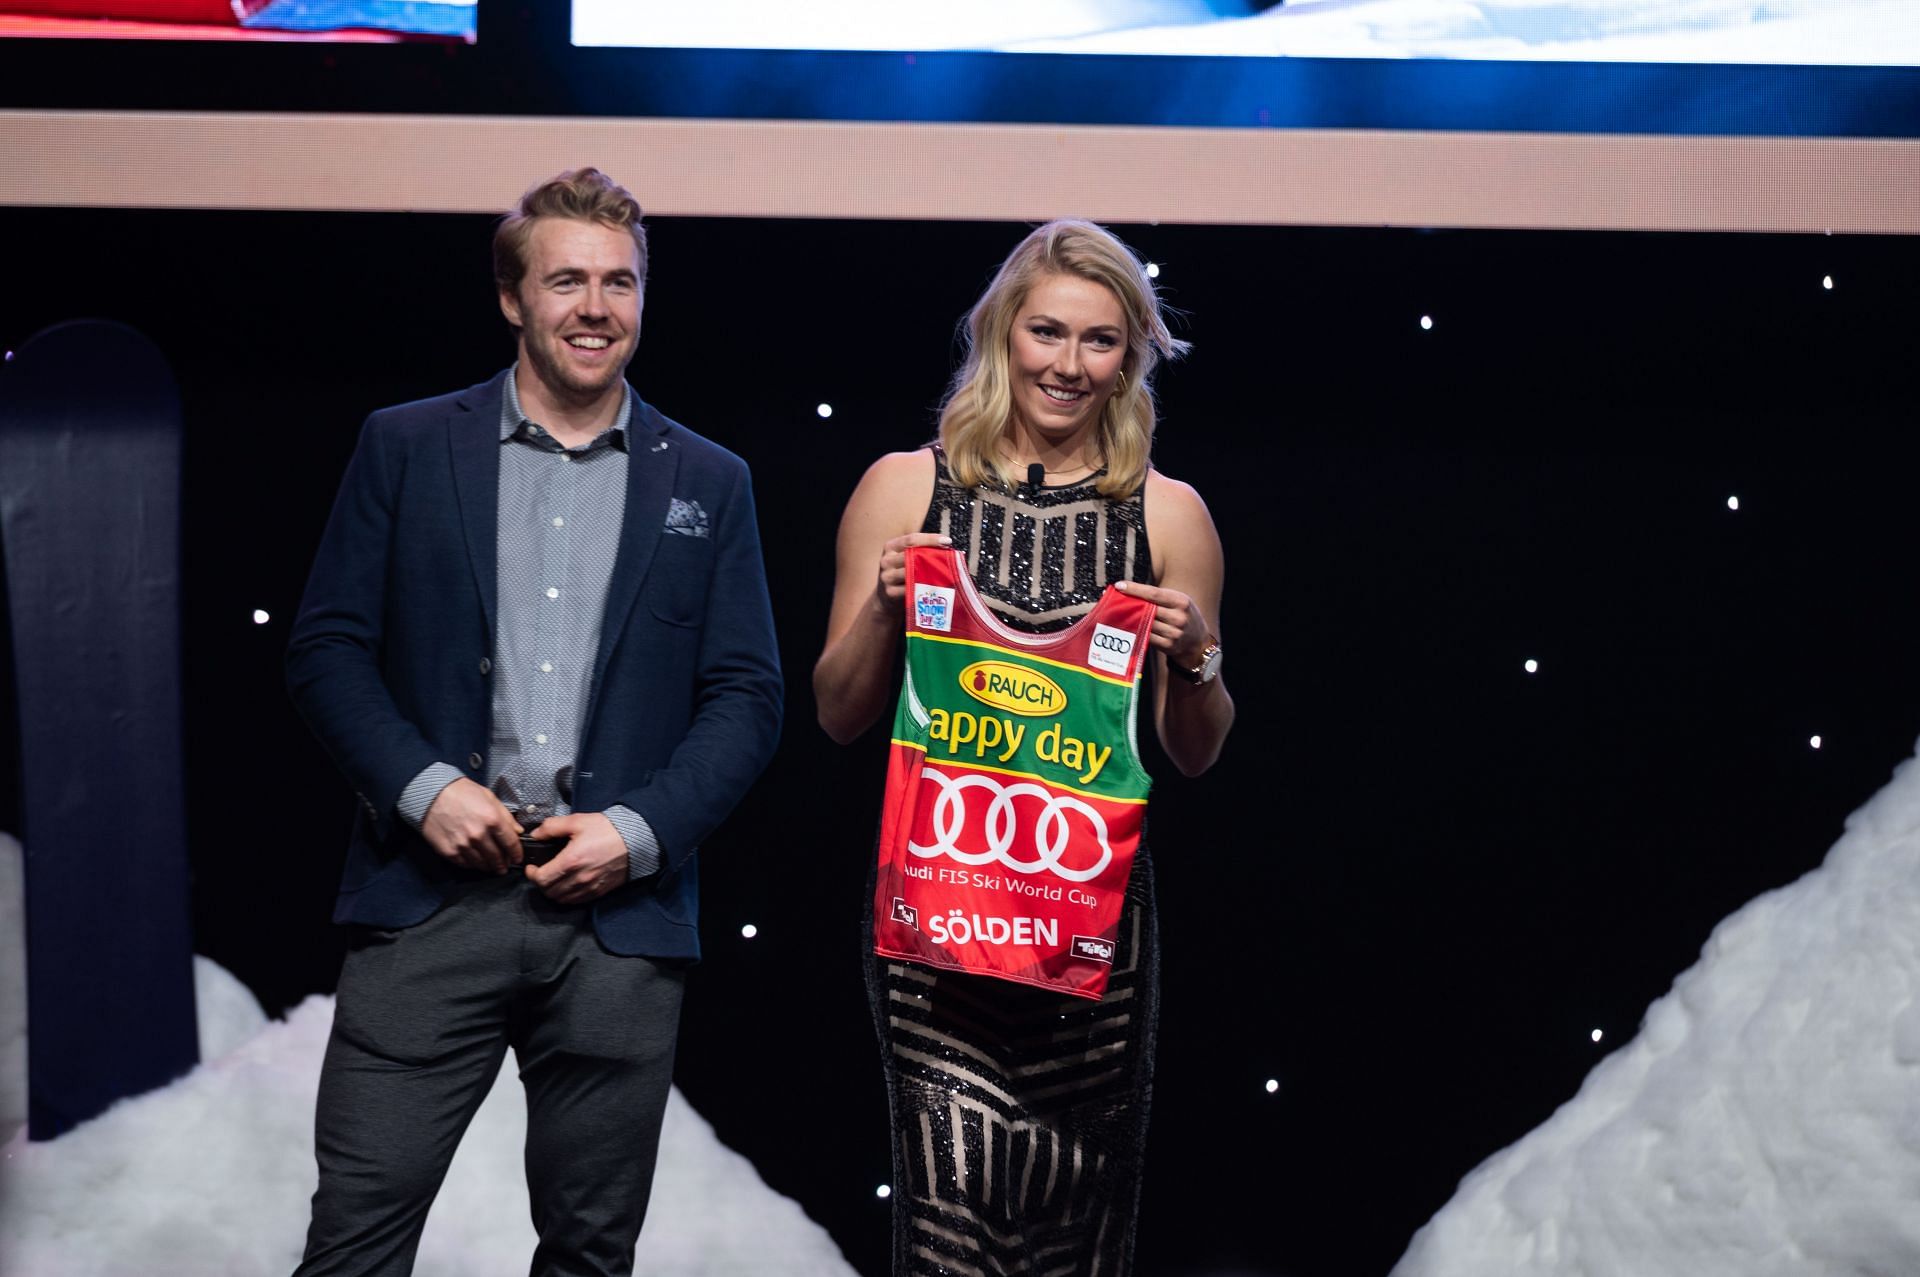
column 390, row 656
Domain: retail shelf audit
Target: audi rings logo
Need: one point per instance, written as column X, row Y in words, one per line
column 1111, row 650
column 1050, row 826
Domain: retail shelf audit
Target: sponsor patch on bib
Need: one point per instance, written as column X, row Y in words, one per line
column 933, row 607
column 1110, row 649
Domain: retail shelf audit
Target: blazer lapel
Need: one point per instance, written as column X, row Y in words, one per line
column 652, row 462
column 473, row 435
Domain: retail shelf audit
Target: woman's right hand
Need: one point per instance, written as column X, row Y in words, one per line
column 890, row 589
column 853, row 678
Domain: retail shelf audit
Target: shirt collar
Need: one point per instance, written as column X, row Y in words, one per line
column 514, row 423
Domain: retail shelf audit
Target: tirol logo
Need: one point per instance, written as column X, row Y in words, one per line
column 1013, row 688
column 906, row 913
column 1093, row 947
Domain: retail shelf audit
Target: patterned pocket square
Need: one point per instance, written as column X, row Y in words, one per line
column 686, row 518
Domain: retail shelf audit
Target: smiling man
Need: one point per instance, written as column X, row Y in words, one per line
column 537, row 641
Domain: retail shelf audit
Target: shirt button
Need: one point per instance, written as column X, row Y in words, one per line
column 486, row 666
column 542, row 738
column 546, row 667
column 552, row 593
column 559, row 522
column 474, row 760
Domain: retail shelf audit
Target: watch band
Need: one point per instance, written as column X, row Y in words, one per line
column 1208, row 668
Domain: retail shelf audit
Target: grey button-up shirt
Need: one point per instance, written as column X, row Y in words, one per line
column 558, row 528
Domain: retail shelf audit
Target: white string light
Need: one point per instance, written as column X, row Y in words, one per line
column 884, row 1191
column 1826, row 282
column 1426, row 323
column 1533, row 667
column 1733, row 503
column 749, row 931
column 1273, row 1085
column 1597, row 1035
column 1153, row 270
column 825, row 410
column 1814, row 741
column 260, row 617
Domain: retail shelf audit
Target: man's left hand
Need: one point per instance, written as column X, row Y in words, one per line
column 593, row 863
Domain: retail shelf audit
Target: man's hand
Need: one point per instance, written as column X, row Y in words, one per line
column 469, row 826
column 594, row 862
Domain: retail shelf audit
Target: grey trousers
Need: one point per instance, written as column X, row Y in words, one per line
column 423, row 1020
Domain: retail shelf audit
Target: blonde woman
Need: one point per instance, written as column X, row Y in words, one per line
column 1019, row 1113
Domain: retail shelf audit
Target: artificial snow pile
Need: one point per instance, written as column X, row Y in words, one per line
column 1765, row 1122
column 211, row 1176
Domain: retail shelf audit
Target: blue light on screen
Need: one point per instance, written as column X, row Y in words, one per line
column 1781, row 32
column 1806, row 68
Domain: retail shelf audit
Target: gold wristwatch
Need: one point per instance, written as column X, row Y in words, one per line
column 1207, row 670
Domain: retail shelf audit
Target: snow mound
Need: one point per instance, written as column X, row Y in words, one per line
column 229, row 1014
column 211, row 1176
column 1766, row 1120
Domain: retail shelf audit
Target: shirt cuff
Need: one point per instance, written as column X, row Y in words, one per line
column 643, row 849
column 420, row 792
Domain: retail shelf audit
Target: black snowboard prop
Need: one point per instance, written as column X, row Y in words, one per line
column 90, row 525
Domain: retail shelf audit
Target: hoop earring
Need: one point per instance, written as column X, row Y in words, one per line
column 1120, row 384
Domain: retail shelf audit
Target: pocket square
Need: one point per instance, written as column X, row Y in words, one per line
column 686, row 518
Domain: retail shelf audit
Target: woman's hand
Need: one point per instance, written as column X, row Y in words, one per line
column 1193, row 718
column 890, row 589
column 854, row 674
column 1179, row 628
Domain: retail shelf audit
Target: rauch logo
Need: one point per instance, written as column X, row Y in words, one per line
column 1013, row 688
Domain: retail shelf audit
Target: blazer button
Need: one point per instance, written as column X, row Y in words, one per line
column 474, row 760
column 486, row 666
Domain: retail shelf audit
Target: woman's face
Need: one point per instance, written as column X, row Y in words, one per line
column 1068, row 343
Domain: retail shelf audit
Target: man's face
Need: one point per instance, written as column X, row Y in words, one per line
column 578, row 307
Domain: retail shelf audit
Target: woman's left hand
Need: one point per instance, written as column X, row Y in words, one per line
column 1179, row 629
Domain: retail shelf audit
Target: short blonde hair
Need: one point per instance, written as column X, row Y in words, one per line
column 583, row 195
column 978, row 409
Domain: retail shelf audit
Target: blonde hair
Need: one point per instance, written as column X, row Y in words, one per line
column 582, row 195
column 978, row 409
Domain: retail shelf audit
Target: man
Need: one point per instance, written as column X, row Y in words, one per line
column 537, row 641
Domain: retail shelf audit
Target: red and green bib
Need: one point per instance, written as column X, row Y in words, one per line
column 1015, row 795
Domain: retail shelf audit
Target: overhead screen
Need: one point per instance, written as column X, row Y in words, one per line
column 1798, row 32
column 1712, row 115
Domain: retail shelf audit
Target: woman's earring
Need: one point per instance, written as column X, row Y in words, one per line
column 1120, row 384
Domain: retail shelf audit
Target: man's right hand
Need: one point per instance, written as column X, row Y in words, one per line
column 469, row 826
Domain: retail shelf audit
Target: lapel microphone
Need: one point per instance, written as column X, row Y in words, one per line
column 1036, row 477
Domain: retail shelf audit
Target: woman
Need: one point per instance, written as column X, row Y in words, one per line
column 1019, row 1114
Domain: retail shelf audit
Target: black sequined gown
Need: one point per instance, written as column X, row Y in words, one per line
column 1020, row 1115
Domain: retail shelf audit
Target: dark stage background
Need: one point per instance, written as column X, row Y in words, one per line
column 1419, row 878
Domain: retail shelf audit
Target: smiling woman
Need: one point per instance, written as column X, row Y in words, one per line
column 1018, row 1147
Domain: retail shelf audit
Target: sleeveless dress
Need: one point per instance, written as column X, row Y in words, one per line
column 1019, row 1115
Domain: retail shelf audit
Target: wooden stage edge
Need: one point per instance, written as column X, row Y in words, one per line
column 987, row 172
